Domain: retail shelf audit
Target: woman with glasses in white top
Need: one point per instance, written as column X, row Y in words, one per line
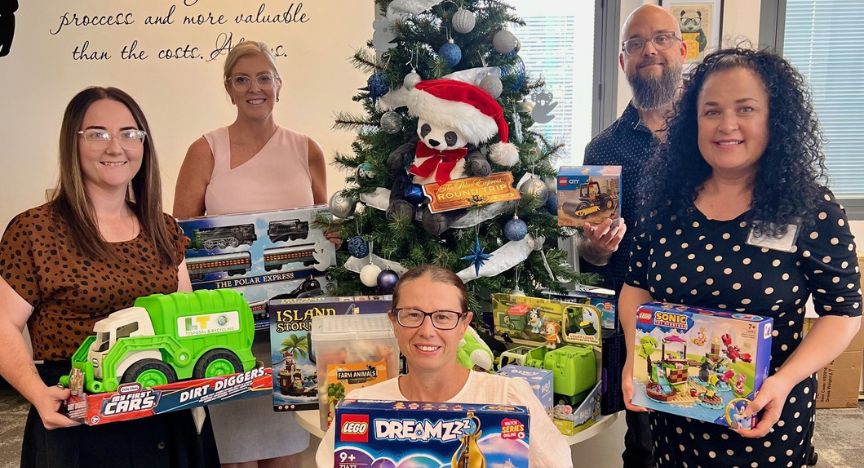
column 429, row 316
column 252, row 165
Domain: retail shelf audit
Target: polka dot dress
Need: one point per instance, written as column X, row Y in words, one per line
column 708, row 263
column 70, row 292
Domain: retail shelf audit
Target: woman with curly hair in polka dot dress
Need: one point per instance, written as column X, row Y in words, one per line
column 735, row 217
column 101, row 242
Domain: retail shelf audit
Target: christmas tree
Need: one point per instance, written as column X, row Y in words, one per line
column 495, row 246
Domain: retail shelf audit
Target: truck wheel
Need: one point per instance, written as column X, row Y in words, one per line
column 217, row 362
column 150, row 373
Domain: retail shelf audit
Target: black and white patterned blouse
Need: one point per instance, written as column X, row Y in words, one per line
column 708, row 263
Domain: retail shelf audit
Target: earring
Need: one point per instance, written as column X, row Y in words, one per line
column 277, row 98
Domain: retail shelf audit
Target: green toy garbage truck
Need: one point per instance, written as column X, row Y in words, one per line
column 163, row 338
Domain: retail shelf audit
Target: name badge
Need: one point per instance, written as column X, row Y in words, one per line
column 784, row 243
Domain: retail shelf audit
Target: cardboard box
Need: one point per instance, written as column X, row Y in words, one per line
column 540, row 381
column 562, row 337
column 295, row 382
column 262, row 255
column 131, row 401
column 700, row 363
column 433, row 435
column 840, row 382
column 588, row 194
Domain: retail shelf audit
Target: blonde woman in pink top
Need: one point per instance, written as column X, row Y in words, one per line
column 252, row 165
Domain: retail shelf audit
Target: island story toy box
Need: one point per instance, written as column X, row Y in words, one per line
column 700, row 363
column 588, row 194
column 295, row 381
column 563, row 338
column 374, row 433
column 261, row 254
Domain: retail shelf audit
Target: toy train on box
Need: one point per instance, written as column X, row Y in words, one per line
column 223, row 237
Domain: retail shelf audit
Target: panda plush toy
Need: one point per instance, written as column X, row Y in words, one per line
column 453, row 119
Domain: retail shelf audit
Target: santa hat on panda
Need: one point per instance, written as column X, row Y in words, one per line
column 467, row 108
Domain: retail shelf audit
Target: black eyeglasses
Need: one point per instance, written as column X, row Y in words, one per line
column 409, row 317
column 661, row 41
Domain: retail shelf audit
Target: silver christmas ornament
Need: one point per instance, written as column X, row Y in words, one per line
column 342, row 206
column 411, row 80
column 535, row 188
column 504, row 42
column 492, row 85
column 391, row 122
column 464, row 21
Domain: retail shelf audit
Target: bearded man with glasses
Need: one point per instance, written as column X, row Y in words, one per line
column 652, row 56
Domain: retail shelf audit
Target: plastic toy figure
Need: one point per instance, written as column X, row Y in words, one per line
column 700, row 338
column 739, row 384
column 535, row 321
column 552, row 338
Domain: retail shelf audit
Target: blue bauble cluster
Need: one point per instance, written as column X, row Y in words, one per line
column 377, row 85
column 515, row 70
column 450, row 53
column 387, row 281
column 414, row 194
column 358, row 247
column 515, row 229
column 552, row 203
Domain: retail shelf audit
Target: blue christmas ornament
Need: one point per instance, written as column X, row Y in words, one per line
column 451, row 53
column 377, row 85
column 414, row 194
column 552, row 203
column 387, row 281
column 515, row 229
column 516, row 70
column 358, row 247
column 477, row 257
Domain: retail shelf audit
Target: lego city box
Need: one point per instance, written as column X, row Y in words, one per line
column 295, row 377
column 563, row 338
column 373, row 433
column 261, row 254
column 588, row 194
column 700, row 363
column 134, row 401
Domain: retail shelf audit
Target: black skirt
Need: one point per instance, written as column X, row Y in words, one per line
column 165, row 440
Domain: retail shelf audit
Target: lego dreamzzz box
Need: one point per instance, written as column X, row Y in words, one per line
column 430, row 435
column 700, row 363
column 588, row 194
column 295, row 380
column 262, row 254
column 132, row 401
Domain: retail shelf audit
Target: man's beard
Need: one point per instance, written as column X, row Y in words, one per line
column 653, row 93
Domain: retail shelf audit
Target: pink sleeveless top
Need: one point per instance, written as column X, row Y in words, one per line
column 277, row 177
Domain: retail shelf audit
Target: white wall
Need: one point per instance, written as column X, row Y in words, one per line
column 182, row 98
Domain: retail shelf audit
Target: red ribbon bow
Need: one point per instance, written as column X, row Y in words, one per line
column 444, row 161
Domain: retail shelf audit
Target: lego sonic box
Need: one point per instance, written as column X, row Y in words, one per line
column 132, row 401
column 540, row 381
column 700, row 363
column 295, row 380
column 373, row 433
column 262, row 255
column 588, row 194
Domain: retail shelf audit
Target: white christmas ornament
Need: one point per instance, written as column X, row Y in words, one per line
column 369, row 275
column 508, row 256
column 464, row 21
column 504, row 41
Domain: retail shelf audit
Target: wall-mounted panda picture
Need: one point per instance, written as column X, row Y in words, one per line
column 701, row 25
